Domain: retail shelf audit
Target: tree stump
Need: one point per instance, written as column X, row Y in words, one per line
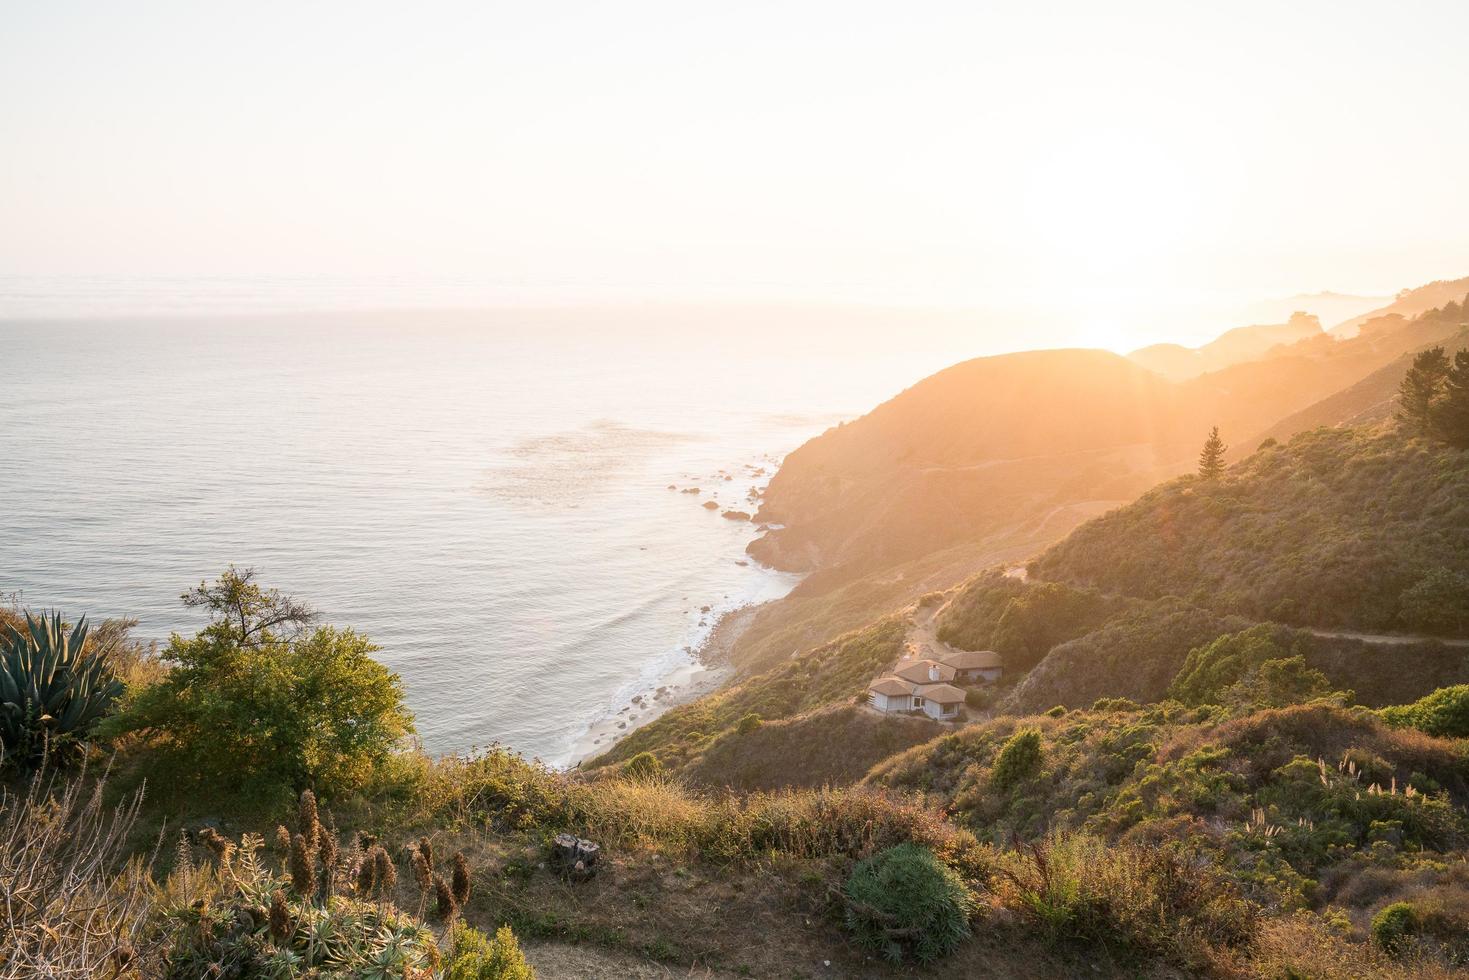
column 573, row 857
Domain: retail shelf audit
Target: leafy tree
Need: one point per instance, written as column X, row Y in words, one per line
column 905, row 900
column 1437, row 603
column 1277, row 683
column 252, row 615
column 1450, row 413
column 1211, row 457
column 1420, row 388
column 241, row 704
column 1212, row 670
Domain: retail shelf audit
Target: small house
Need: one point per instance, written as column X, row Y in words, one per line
column 973, row 666
column 917, row 685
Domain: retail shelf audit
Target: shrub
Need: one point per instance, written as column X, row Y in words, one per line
column 244, row 704
column 642, row 766
column 475, row 956
column 748, row 723
column 1019, row 759
column 1077, row 888
column 1393, row 925
column 1444, row 713
column 53, row 690
column 904, row 900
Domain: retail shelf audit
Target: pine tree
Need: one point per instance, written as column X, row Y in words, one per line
column 1450, row 413
column 1211, row 459
column 1420, row 389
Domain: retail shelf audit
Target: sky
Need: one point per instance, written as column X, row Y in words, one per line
column 1117, row 166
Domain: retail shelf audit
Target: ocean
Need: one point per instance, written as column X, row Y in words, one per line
column 484, row 494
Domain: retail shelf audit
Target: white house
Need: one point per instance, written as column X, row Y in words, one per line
column 917, row 685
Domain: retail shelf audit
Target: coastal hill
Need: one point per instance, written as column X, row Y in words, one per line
column 995, row 443
column 978, row 465
column 1178, row 363
column 977, row 446
column 1408, row 303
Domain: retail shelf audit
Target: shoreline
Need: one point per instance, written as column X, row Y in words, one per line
column 707, row 673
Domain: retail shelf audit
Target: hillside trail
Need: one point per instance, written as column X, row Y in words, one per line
column 566, row 961
column 1020, row 573
column 923, row 640
column 1385, row 639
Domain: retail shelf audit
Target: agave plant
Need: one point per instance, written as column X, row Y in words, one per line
column 52, row 690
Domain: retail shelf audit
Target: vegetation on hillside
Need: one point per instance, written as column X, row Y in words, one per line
column 831, row 674
column 257, row 695
column 1338, row 528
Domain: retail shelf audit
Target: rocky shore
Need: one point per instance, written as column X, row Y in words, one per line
column 710, row 669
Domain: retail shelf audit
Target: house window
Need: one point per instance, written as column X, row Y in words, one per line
column 917, row 702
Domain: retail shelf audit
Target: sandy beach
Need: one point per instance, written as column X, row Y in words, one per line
column 680, row 686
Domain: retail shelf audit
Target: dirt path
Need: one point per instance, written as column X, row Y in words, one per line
column 1384, row 639
column 564, row 961
column 923, row 639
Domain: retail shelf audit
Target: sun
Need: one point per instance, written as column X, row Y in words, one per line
column 1104, row 332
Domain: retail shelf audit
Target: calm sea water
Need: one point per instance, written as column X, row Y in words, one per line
column 484, row 495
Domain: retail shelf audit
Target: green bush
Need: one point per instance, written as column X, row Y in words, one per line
column 1214, row 668
column 1444, row 713
column 905, row 901
column 475, row 956
column 245, row 704
column 642, row 766
column 748, row 723
column 1392, row 927
column 53, row 691
column 1019, row 759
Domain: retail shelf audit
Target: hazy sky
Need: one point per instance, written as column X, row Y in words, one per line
column 1109, row 159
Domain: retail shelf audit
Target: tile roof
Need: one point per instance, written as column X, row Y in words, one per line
column 940, row 693
column 890, row 686
column 972, row 659
column 917, row 671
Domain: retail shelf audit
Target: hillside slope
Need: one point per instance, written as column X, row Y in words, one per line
column 993, row 444
column 1335, row 529
column 973, row 449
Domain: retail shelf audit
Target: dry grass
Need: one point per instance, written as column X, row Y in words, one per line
column 1305, row 946
column 73, row 905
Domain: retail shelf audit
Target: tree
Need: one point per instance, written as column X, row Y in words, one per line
column 1211, row 458
column 1277, row 683
column 251, row 614
column 1212, row 670
column 1449, row 415
column 242, row 705
column 1421, row 388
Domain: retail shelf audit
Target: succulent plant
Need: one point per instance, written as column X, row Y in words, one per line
column 53, row 691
